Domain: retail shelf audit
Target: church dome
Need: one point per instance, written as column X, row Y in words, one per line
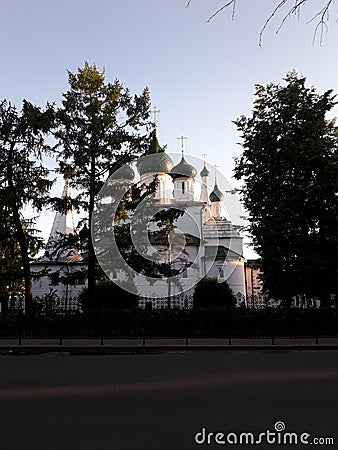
column 154, row 163
column 204, row 172
column 124, row 173
column 183, row 169
column 216, row 195
column 155, row 159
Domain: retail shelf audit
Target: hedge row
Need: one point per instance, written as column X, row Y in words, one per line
column 202, row 323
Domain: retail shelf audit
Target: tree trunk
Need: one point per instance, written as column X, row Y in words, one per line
column 25, row 259
column 20, row 234
column 3, row 300
column 91, row 252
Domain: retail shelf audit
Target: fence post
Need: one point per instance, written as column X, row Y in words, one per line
column 60, row 330
column 20, row 328
column 143, row 337
column 317, row 332
column 230, row 332
column 186, row 329
column 102, row 326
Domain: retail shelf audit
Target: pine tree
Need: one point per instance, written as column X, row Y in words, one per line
column 100, row 127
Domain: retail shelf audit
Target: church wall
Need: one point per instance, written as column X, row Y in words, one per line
column 191, row 221
column 47, row 286
column 231, row 271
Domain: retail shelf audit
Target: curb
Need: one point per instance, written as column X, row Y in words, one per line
column 149, row 349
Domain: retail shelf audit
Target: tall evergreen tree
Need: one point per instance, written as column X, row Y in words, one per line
column 11, row 277
column 289, row 167
column 99, row 128
column 24, row 179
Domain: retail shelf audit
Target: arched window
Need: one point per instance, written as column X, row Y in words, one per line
column 183, row 187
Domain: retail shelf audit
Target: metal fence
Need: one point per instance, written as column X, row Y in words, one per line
column 167, row 324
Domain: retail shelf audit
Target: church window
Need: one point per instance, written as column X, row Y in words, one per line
column 185, row 274
column 221, row 273
column 183, row 187
column 114, row 274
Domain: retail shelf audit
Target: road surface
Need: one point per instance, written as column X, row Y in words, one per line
column 161, row 401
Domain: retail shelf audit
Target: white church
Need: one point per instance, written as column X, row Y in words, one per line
column 210, row 243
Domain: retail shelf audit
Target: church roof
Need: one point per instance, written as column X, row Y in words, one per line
column 220, row 252
column 204, row 172
column 63, row 224
column 155, row 159
column 62, row 259
column 183, row 169
column 124, row 173
column 154, row 146
column 155, row 237
column 216, row 195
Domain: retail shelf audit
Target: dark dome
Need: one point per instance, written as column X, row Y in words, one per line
column 155, row 163
column 216, row 195
column 124, row 173
column 155, row 160
column 183, row 169
column 204, row 172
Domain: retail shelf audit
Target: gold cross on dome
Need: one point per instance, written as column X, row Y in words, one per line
column 182, row 139
column 155, row 113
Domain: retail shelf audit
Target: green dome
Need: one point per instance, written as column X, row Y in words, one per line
column 124, row 173
column 155, row 163
column 204, row 172
column 216, row 195
column 155, row 160
column 183, row 169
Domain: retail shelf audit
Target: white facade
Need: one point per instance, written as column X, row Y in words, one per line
column 60, row 284
column 59, row 276
column 212, row 244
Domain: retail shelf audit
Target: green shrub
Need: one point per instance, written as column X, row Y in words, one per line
column 108, row 295
column 210, row 293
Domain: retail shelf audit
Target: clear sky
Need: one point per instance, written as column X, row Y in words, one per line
column 201, row 75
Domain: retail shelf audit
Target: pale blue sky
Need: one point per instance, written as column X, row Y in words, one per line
column 201, row 75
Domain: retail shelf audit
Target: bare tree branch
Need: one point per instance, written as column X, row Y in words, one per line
column 268, row 20
column 232, row 2
column 322, row 15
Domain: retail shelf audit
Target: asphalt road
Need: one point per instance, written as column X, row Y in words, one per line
column 155, row 402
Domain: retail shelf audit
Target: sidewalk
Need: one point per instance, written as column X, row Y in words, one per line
column 138, row 346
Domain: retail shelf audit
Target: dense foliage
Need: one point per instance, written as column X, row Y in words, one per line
column 289, row 167
column 24, row 182
column 210, row 293
column 99, row 127
column 108, row 295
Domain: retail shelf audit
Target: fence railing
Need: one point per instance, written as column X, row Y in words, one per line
column 168, row 324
